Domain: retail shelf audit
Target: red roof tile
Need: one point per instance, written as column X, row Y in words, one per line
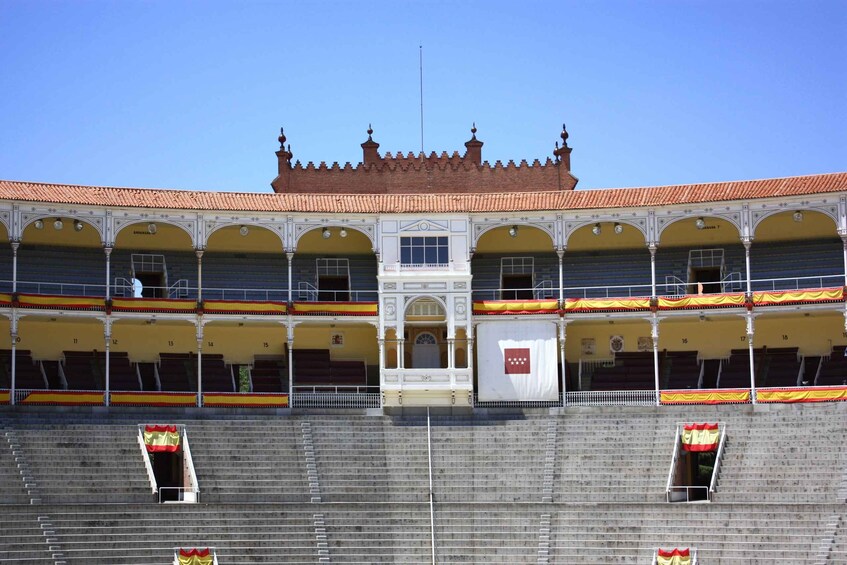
column 421, row 203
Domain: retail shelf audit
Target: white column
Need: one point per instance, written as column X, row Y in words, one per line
column 451, row 353
column 14, row 335
column 652, row 247
column 562, row 337
column 290, row 257
column 401, row 362
column 107, row 334
column 747, row 241
column 654, row 335
column 844, row 241
column 199, row 363
column 750, row 332
column 561, row 252
column 199, row 252
column 290, row 372
column 15, row 245
column 108, row 251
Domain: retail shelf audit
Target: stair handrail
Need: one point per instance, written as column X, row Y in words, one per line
column 674, row 459
column 188, row 462
column 150, row 474
column 308, row 290
column 716, row 469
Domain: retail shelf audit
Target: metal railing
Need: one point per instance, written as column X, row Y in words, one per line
column 674, row 460
column 329, row 396
column 716, row 469
column 797, row 283
column 686, row 493
column 517, row 403
column 247, row 294
column 61, row 289
column 611, row 398
column 181, row 493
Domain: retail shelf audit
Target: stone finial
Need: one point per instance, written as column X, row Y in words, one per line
column 563, row 153
column 283, row 157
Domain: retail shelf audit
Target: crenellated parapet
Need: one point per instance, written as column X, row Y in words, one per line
column 418, row 173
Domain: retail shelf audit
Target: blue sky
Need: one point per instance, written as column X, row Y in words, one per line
column 191, row 94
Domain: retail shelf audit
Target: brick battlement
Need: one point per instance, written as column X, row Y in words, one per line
column 419, row 174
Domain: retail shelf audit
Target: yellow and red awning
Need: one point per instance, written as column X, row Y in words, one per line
column 244, row 307
column 61, row 302
column 806, row 394
column 809, row 296
column 700, row 437
column 246, row 399
column 606, row 304
column 335, row 308
column 161, row 438
column 194, row 557
column 701, row 301
column 484, row 307
column 707, row 396
column 153, row 305
column 673, row 556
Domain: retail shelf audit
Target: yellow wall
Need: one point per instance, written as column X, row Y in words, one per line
column 356, row 243
column 781, row 227
column 684, row 232
column 529, row 239
column 601, row 332
column 715, row 337
column 257, row 240
column 359, row 341
column 584, row 239
column 66, row 237
column 166, row 238
column 48, row 339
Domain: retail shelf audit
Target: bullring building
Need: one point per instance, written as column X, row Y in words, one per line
column 424, row 280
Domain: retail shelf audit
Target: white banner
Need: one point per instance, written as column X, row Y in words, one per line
column 517, row 361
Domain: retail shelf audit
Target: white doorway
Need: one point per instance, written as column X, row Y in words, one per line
column 426, row 354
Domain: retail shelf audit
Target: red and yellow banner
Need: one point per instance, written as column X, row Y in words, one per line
column 194, row 557
column 5, row 396
column 595, row 304
column 153, row 398
column 482, row 307
column 64, row 398
column 5, row 299
column 790, row 395
column 673, row 556
column 699, row 437
column 710, row 396
column 61, row 302
column 339, row 308
column 244, row 307
column 161, row 438
column 268, row 400
column 153, row 305
column 701, row 301
column 798, row 296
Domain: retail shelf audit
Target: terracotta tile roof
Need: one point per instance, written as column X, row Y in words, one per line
column 420, row 203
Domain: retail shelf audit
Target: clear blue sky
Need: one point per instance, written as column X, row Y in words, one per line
column 191, row 94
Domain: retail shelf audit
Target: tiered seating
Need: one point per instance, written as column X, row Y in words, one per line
column 176, row 372
column 122, row 374
column 490, row 460
column 21, row 537
column 735, row 371
column 834, row 369
column 806, row 441
column 147, row 371
column 348, row 373
column 217, row 376
column 780, row 260
column 80, row 462
column 249, row 461
column 711, row 369
column 368, row 458
column 82, row 370
column 27, row 372
column 632, row 371
column 613, row 454
column 781, row 367
column 311, row 366
column 51, row 371
column 269, row 374
column 683, row 368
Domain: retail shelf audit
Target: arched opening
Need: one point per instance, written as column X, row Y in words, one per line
column 245, row 262
column 514, row 263
column 334, row 264
column 606, row 259
column 426, row 334
column 157, row 256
